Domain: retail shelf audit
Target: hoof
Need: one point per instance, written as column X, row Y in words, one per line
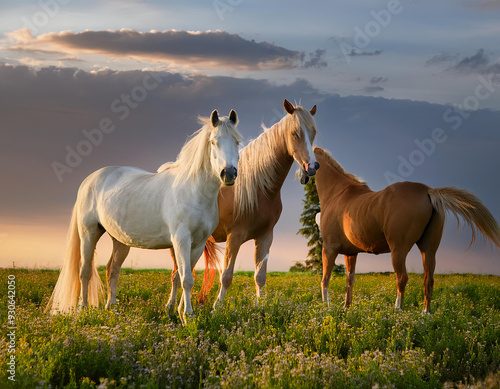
column 187, row 317
column 217, row 304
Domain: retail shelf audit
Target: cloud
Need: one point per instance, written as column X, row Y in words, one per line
column 315, row 60
column 442, row 57
column 211, row 49
column 477, row 63
column 378, row 80
column 357, row 52
column 373, row 89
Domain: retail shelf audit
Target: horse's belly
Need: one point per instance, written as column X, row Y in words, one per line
column 138, row 233
column 365, row 236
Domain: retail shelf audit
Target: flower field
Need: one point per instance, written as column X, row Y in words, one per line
column 289, row 340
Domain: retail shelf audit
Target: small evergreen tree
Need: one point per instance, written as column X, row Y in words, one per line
column 310, row 229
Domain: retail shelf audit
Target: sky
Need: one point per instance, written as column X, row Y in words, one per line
column 405, row 90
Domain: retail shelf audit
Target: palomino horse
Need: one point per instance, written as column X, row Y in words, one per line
column 355, row 219
column 175, row 208
column 251, row 208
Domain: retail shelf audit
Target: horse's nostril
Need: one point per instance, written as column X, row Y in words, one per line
column 316, row 165
column 223, row 174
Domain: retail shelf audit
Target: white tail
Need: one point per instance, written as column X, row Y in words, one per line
column 66, row 293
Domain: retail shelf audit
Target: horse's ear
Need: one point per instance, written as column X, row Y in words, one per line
column 313, row 110
column 214, row 118
column 233, row 117
column 288, row 106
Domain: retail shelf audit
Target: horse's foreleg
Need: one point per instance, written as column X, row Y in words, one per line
column 118, row 256
column 233, row 244
column 350, row 265
column 328, row 256
column 262, row 246
column 175, row 281
column 182, row 244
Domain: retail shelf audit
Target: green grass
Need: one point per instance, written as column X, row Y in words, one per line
column 289, row 340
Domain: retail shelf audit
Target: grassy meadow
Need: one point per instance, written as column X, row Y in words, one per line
column 289, row 340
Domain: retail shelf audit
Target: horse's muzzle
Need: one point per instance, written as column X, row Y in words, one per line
column 312, row 168
column 304, row 178
column 228, row 175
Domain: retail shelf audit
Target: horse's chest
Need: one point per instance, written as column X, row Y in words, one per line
column 200, row 222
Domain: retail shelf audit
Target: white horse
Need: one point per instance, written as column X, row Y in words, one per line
column 176, row 208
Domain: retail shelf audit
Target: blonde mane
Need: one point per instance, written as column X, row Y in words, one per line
column 193, row 160
column 258, row 166
column 337, row 166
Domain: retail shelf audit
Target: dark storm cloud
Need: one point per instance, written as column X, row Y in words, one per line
column 217, row 49
column 46, row 111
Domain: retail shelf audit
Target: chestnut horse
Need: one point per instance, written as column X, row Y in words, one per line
column 355, row 219
column 252, row 207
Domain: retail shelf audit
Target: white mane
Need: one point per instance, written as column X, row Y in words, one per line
column 193, row 160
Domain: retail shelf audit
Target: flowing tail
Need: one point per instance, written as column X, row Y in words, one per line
column 470, row 208
column 66, row 293
column 211, row 264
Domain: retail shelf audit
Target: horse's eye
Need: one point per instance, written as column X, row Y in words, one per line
column 295, row 135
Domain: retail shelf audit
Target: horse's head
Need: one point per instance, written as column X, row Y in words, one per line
column 224, row 140
column 301, row 134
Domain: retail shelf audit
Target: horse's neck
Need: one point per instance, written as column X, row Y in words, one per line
column 205, row 187
column 335, row 182
column 285, row 162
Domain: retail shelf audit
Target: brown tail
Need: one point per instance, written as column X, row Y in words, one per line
column 470, row 208
column 211, row 263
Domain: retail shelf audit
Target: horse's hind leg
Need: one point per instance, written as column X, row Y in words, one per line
column 399, row 264
column 175, row 281
column 233, row 243
column 89, row 235
column 328, row 255
column 428, row 245
column 262, row 246
column 120, row 252
column 350, row 265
